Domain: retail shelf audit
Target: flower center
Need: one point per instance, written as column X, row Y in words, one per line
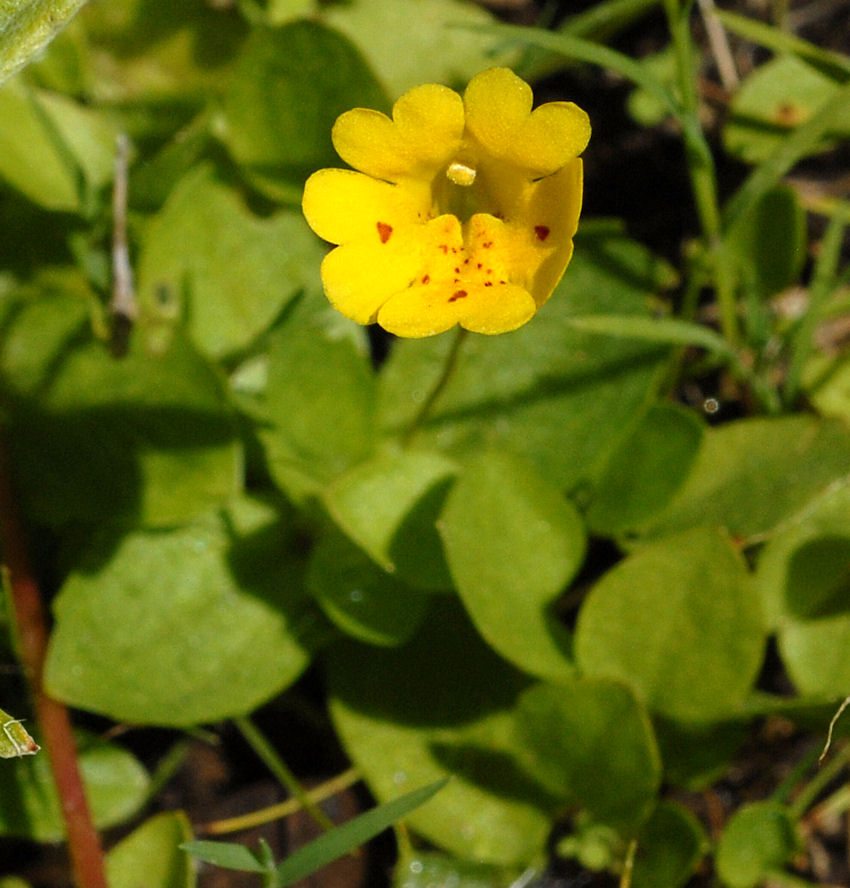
column 460, row 190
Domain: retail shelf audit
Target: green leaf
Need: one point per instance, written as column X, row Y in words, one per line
column 513, row 543
column 153, row 181
column 116, row 788
column 14, row 739
column 27, row 27
column 421, row 870
column 776, row 98
column 752, row 474
column 771, row 249
column 228, row 272
column 669, row 331
column 150, row 856
column 591, row 743
column 826, row 379
column 281, row 11
column 437, row 46
column 54, row 150
column 680, row 623
column 670, row 845
column 760, row 837
column 226, row 855
column 362, row 828
column 646, row 470
column 150, row 437
column 233, row 586
column 327, row 848
column 360, row 598
column 547, row 389
column 443, row 703
column 288, row 87
column 319, row 400
column 646, row 108
column 389, row 506
column 161, row 60
column 804, row 583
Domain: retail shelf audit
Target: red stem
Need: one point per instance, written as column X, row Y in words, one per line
column 30, row 620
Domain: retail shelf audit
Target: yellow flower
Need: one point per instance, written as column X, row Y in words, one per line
column 458, row 210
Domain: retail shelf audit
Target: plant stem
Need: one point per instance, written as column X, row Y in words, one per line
column 277, row 812
column 29, row 619
column 701, row 166
column 266, row 752
column 427, row 405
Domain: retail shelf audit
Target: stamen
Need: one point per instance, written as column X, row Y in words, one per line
column 461, row 174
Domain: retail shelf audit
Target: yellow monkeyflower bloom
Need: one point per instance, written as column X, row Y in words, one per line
column 457, row 210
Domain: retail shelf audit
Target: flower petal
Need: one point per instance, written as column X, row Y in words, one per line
column 342, row 205
column 359, row 277
column 424, row 134
column 426, row 310
column 499, row 117
column 540, row 238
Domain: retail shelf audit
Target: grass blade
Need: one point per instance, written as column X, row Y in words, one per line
column 351, row 835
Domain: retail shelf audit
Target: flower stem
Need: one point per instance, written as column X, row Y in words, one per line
column 442, row 380
column 30, row 629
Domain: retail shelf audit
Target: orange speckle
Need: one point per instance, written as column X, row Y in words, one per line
column 487, row 244
column 458, row 294
column 426, row 278
column 542, row 231
column 444, row 248
column 480, row 265
column 384, row 231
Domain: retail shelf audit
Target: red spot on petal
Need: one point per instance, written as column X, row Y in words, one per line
column 487, row 244
column 426, row 278
column 488, row 283
column 502, row 282
column 480, row 265
column 542, row 231
column 466, row 261
column 384, row 231
column 458, row 294
column 444, row 248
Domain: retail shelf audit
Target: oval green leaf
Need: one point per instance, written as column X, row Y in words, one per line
column 680, row 622
column 513, row 543
column 231, row 585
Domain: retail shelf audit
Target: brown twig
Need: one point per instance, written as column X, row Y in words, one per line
column 30, row 622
